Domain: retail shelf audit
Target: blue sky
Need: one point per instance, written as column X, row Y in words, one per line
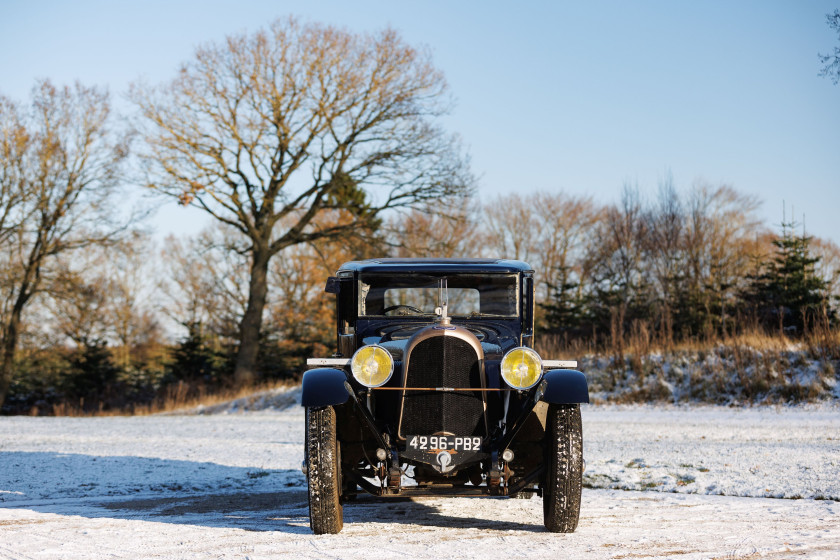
column 582, row 97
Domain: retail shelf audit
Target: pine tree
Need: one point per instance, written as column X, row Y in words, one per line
column 92, row 376
column 567, row 308
column 195, row 360
column 789, row 293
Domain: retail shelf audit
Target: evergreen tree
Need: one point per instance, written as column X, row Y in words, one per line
column 788, row 293
column 566, row 310
column 92, row 376
column 194, row 360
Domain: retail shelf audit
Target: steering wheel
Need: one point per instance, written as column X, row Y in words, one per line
column 409, row 307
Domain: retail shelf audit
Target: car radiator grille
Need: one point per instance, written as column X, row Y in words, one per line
column 443, row 361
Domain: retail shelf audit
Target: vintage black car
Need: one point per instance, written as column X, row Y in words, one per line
column 436, row 390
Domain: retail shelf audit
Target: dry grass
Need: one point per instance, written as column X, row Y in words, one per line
column 752, row 366
column 822, row 341
column 177, row 397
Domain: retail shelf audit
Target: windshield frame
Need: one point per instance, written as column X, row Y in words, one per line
column 427, row 280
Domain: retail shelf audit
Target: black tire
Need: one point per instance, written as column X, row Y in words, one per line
column 564, row 473
column 323, row 464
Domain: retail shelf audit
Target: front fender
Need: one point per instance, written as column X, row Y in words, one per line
column 565, row 386
column 324, row 387
column 558, row 386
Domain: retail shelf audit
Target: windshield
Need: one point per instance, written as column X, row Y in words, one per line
column 467, row 295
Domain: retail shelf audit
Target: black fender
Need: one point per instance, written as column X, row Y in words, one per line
column 324, row 387
column 558, row 386
column 565, row 386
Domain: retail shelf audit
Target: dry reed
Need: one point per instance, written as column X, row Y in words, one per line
column 748, row 366
column 179, row 396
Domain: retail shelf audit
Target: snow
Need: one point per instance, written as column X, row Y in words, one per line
column 757, row 452
column 724, row 374
column 662, row 482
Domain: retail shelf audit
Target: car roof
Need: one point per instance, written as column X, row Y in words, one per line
column 427, row 265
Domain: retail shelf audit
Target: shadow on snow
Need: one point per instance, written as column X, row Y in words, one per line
column 196, row 493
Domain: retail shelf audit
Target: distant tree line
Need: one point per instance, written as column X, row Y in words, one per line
column 676, row 267
column 310, row 146
column 697, row 267
column 292, row 135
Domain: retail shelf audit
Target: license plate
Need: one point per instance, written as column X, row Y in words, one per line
column 442, row 443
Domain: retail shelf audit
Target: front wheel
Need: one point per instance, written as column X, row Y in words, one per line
column 323, row 471
column 564, row 473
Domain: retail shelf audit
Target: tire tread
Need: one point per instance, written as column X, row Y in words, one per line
column 564, row 476
column 326, row 514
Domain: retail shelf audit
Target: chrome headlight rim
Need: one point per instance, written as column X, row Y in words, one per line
column 354, row 366
column 536, row 357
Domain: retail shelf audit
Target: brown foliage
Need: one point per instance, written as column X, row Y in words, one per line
column 549, row 231
column 271, row 131
column 448, row 231
column 60, row 163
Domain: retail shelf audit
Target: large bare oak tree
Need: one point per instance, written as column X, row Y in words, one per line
column 267, row 131
column 59, row 166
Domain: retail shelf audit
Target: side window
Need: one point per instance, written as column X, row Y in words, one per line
column 527, row 305
column 347, row 310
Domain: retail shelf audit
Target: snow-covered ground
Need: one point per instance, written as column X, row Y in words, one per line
column 679, row 482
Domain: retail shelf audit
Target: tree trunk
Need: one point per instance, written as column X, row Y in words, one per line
column 6, row 369
column 28, row 286
column 9, row 345
column 251, row 325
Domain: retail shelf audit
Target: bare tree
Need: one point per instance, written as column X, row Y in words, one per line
column 100, row 296
column 298, row 120
column 618, row 256
column 301, row 320
column 207, row 288
column 831, row 62
column 61, row 162
column 563, row 225
column 78, row 304
column 132, row 309
column 828, row 266
column 511, row 228
column 428, row 233
column 14, row 140
column 550, row 231
column 721, row 235
column 664, row 254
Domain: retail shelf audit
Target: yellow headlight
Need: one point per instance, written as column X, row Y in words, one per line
column 521, row 368
column 372, row 366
